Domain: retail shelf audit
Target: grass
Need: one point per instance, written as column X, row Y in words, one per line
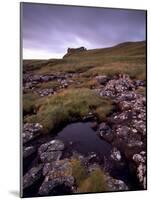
column 68, row 105
column 129, row 58
column 78, row 99
column 29, row 101
column 135, row 71
column 78, row 171
column 94, row 183
column 141, row 90
column 50, row 84
column 88, row 182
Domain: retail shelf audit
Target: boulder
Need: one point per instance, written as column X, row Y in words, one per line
column 29, row 150
column 115, row 185
column 105, row 132
column 102, row 79
column 57, row 173
column 140, row 161
column 31, row 131
column 51, row 151
column 116, row 154
column 32, row 176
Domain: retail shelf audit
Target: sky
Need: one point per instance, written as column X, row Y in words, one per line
column 48, row 30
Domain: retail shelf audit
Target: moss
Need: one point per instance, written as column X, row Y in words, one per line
column 94, row 183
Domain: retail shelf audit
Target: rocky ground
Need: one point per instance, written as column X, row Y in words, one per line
column 124, row 129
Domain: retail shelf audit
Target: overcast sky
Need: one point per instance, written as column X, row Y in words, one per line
column 48, row 30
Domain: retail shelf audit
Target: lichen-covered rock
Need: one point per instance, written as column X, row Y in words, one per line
column 116, row 154
column 140, row 160
column 33, row 175
column 115, row 185
column 56, row 174
column 29, row 150
column 117, row 86
column 45, row 92
column 51, row 151
column 105, row 132
column 102, row 79
column 128, row 124
column 31, row 131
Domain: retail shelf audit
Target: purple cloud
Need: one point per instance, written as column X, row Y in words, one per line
column 48, row 30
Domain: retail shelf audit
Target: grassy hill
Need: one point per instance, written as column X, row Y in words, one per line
column 128, row 57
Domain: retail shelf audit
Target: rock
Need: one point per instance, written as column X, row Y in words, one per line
column 45, row 92
column 27, row 151
column 76, row 50
column 56, row 174
column 105, row 132
column 139, row 83
column 116, row 154
column 36, row 78
column 102, row 79
column 92, row 158
column 124, row 105
column 141, row 174
column 117, row 86
column 115, row 185
column 31, row 131
column 140, row 160
column 88, row 117
column 32, row 176
column 93, row 167
column 132, row 147
column 51, row 151
column 46, row 78
column 128, row 123
column 122, row 131
column 94, row 125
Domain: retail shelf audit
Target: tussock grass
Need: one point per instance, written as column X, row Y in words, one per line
column 78, row 171
column 88, row 182
column 68, row 105
column 94, row 183
column 29, row 101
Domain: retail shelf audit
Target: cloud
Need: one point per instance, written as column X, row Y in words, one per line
column 48, row 30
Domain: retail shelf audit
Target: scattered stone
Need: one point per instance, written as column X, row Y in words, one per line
column 116, row 154
column 105, row 132
column 102, row 79
column 45, row 92
column 88, row 117
column 31, row 131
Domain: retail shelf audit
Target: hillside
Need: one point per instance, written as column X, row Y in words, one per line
column 129, row 57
